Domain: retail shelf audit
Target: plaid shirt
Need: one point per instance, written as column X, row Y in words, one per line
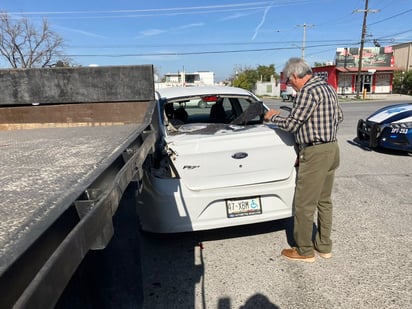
column 316, row 113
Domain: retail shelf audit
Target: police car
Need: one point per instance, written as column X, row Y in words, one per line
column 389, row 127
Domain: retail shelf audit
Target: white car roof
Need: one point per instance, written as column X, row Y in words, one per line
column 178, row 92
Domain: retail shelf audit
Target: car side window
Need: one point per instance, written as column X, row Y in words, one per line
column 226, row 105
column 248, row 112
column 244, row 103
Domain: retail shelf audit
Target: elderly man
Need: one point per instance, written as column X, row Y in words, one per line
column 314, row 121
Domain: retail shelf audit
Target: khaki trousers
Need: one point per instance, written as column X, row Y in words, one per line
column 316, row 173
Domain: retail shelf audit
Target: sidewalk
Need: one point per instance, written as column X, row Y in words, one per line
column 369, row 97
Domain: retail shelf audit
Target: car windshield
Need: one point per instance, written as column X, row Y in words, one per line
column 240, row 110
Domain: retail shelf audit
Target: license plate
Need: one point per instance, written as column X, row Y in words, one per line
column 243, row 207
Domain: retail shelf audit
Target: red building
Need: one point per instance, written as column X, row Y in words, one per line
column 376, row 75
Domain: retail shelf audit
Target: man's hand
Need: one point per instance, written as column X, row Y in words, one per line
column 270, row 113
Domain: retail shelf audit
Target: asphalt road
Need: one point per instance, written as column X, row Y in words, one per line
column 241, row 267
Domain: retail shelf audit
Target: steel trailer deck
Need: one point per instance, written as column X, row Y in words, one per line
column 43, row 171
column 71, row 140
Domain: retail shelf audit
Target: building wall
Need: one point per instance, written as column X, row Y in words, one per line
column 403, row 56
column 206, row 77
column 271, row 89
column 200, row 78
column 382, row 83
column 344, row 86
column 343, row 80
column 328, row 73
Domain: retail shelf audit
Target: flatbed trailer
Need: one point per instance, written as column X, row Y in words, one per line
column 71, row 141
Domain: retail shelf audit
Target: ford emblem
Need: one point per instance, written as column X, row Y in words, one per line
column 239, row 155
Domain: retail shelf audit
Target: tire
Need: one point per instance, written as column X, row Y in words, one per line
column 202, row 104
column 359, row 133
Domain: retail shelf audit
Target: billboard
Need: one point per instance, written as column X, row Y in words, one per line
column 372, row 57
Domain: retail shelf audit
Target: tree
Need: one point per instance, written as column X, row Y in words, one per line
column 407, row 83
column 320, row 64
column 402, row 82
column 266, row 72
column 25, row 46
column 247, row 77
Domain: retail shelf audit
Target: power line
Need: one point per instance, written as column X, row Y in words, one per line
column 328, row 43
column 390, row 17
column 221, row 6
column 132, row 13
column 193, row 53
column 398, row 33
column 336, row 43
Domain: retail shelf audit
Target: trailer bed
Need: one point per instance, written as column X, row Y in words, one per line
column 44, row 170
column 71, row 141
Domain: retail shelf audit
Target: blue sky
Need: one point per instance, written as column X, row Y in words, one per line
column 214, row 35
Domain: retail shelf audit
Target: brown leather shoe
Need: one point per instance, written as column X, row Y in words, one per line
column 293, row 254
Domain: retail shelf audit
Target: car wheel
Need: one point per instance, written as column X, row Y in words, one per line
column 202, row 104
column 360, row 134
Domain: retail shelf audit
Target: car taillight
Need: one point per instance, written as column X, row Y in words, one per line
column 210, row 98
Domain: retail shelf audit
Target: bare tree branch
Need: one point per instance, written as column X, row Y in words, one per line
column 25, row 46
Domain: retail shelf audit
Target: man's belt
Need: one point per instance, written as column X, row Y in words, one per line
column 304, row 145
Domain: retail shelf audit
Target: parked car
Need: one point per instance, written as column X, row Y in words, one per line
column 218, row 166
column 388, row 127
column 198, row 103
column 288, row 95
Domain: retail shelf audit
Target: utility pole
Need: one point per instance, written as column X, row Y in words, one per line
column 362, row 43
column 304, row 37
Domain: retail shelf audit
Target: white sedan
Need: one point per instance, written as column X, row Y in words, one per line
column 217, row 166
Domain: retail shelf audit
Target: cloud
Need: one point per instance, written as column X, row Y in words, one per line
column 82, row 32
column 190, row 26
column 235, row 16
column 262, row 21
column 152, row 32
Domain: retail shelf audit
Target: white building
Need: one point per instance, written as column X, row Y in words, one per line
column 271, row 88
column 179, row 79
